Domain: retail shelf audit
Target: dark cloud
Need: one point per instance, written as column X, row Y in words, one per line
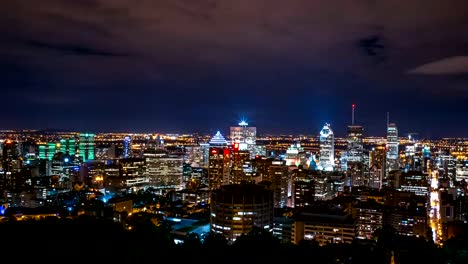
column 452, row 65
column 72, row 49
column 265, row 57
column 374, row 47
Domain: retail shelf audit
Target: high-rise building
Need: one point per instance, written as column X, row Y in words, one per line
column 377, row 164
column 164, row 169
column 354, row 143
column 11, row 165
column 303, row 185
column 240, row 162
column 47, row 150
column 354, row 157
column 127, row 147
column 327, row 149
column 219, row 162
column 296, row 155
column 279, row 176
column 392, row 147
column 86, row 146
column 446, row 165
column 245, row 136
column 68, row 146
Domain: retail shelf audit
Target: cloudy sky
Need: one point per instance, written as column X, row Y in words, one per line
column 201, row 65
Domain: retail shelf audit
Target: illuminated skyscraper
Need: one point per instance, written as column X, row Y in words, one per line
column 68, row 146
column 295, row 155
column 354, row 140
column 377, row 164
column 218, row 140
column 392, row 147
column 327, row 149
column 86, row 146
column 127, row 147
column 47, row 150
column 10, row 166
column 354, row 154
column 246, row 136
column 219, row 162
column 243, row 134
column 354, row 143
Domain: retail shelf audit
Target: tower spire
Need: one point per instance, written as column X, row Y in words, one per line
column 352, row 114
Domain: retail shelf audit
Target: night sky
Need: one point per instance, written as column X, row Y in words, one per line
column 201, row 65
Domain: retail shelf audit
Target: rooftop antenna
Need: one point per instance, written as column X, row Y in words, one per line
column 388, row 118
column 352, row 114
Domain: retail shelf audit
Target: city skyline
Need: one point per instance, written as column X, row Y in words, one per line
column 224, row 130
column 198, row 66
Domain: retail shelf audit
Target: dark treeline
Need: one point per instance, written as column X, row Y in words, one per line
column 91, row 240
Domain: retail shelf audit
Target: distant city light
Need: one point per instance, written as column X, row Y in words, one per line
column 243, row 123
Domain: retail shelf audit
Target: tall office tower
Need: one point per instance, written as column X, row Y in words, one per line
column 219, row 162
column 47, row 150
column 153, row 158
column 86, row 146
column 392, row 148
column 280, row 178
column 205, row 149
column 243, row 134
column 354, row 141
column 327, row 149
column 296, row 155
column 240, row 162
column 262, row 167
column 355, row 145
column 303, row 185
column 446, row 165
column 170, row 171
column 10, row 176
column 377, row 164
column 193, row 156
column 409, row 163
column 354, row 154
column 127, row 147
column 68, row 146
column 322, row 190
column 426, row 158
column 246, row 136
